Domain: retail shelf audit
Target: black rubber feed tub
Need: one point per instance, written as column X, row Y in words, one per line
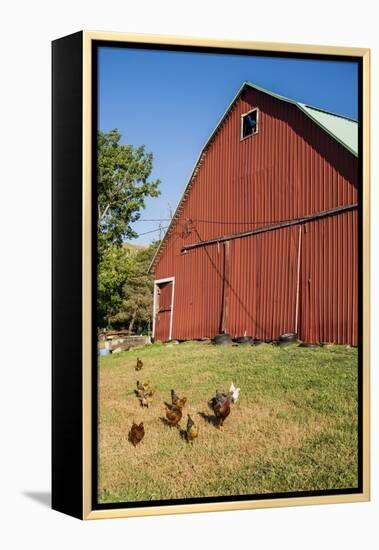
column 223, row 339
column 245, row 340
column 288, row 337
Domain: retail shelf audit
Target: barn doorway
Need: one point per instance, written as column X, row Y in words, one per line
column 163, row 309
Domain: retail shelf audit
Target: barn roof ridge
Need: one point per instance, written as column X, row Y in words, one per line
column 345, row 131
column 340, row 127
column 294, row 101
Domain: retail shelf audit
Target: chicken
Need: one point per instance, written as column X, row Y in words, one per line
column 179, row 404
column 235, row 391
column 174, row 410
column 136, row 433
column 142, row 388
column 146, row 398
column 176, row 400
column 173, row 414
column 139, row 364
column 149, row 397
column 174, row 397
column 192, row 430
column 220, row 405
column 220, row 395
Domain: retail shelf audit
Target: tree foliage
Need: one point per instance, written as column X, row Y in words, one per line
column 113, row 270
column 137, row 304
column 122, row 179
column 125, row 289
column 124, row 297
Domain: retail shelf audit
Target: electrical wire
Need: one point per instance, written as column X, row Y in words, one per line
column 152, row 231
column 153, row 220
column 238, row 222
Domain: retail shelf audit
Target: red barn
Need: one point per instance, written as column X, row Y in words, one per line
column 264, row 240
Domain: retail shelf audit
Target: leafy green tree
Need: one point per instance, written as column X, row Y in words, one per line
column 113, row 270
column 136, row 309
column 125, row 289
column 138, row 290
column 122, row 178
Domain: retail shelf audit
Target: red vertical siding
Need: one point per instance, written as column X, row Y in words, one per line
column 263, row 283
column 197, row 305
column 164, row 311
column 329, row 276
column 291, row 168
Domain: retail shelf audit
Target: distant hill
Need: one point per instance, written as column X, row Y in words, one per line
column 134, row 247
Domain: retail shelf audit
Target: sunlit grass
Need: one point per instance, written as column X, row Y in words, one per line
column 294, row 427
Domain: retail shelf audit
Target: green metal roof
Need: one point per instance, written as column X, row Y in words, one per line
column 344, row 130
column 341, row 128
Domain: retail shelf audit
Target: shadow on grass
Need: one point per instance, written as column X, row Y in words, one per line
column 183, row 435
column 210, row 418
column 167, row 423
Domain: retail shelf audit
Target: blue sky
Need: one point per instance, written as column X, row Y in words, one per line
column 171, row 102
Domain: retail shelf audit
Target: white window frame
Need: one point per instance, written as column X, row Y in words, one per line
column 157, row 282
column 242, row 117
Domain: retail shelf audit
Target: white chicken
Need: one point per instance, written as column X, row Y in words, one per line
column 235, row 391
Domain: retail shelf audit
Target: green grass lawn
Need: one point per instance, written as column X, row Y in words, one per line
column 294, row 427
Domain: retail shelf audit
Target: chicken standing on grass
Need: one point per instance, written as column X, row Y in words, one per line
column 177, row 401
column 174, row 397
column 235, row 391
column 142, row 388
column 174, row 412
column 192, row 430
column 220, row 405
column 146, row 398
column 139, row 364
column 136, row 434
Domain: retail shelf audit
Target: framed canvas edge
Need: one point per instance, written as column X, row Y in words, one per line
column 364, row 496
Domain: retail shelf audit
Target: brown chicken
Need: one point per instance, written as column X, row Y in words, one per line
column 146, row 398
column 139, row 364
column 149, row 397
column 180, row 404
column 177, row 401
column 192, row 430
column 174, row 397
column 173, row 414
column 220, row 405
column 136, row 433
column 142, row 388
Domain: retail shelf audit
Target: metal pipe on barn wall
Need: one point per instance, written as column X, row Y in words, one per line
column 298, row 281
column 225, row 290
column 273, row 227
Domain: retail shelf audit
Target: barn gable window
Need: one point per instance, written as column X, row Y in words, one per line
column 249, row 124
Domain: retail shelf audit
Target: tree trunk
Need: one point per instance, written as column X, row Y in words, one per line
column 131, row 324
